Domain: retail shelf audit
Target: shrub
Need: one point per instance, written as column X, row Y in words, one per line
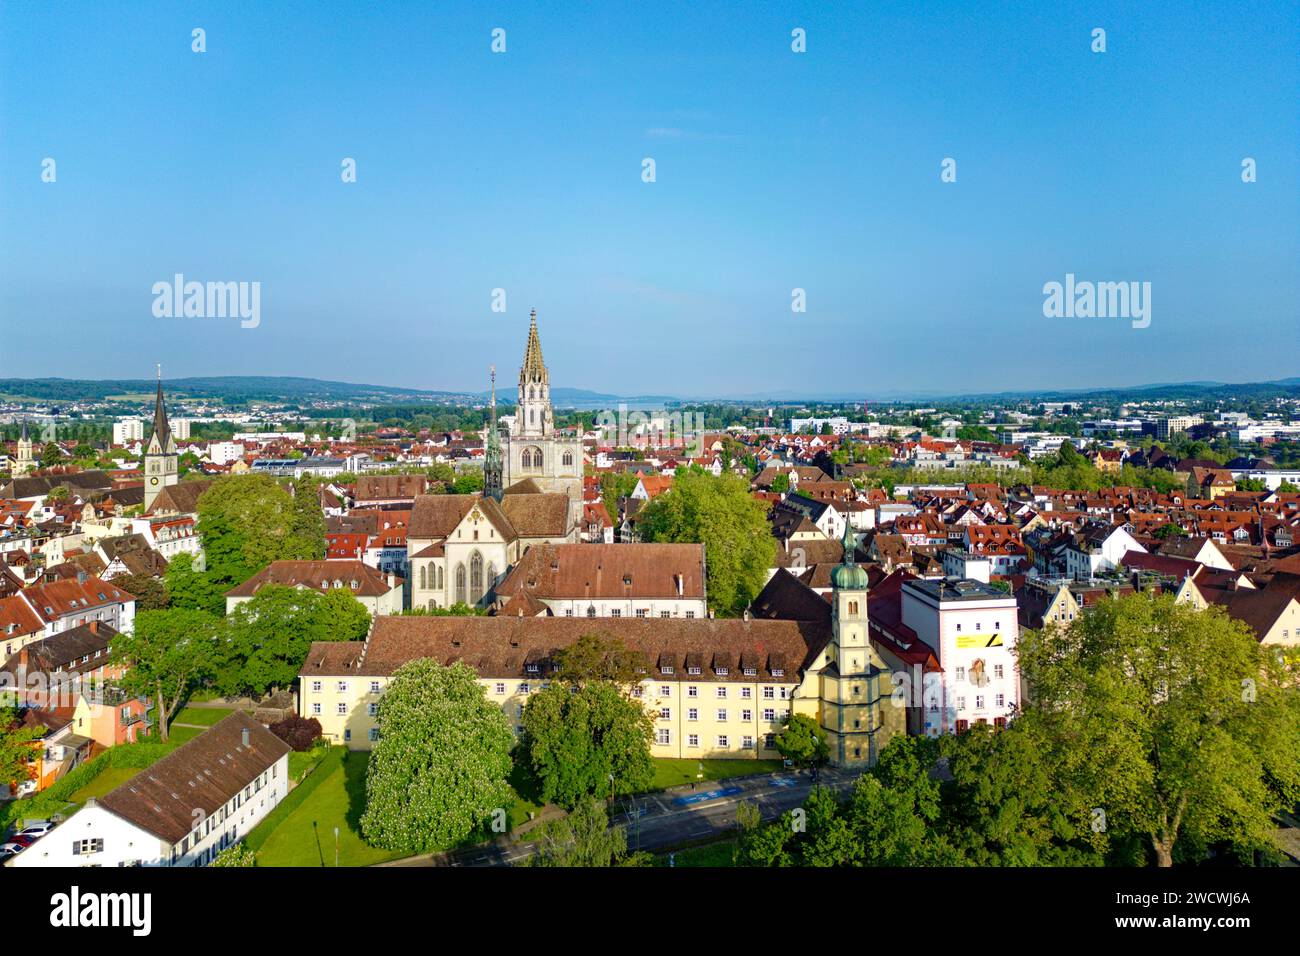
column 300, row 733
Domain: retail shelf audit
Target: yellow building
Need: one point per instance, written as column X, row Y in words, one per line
column 716, row 688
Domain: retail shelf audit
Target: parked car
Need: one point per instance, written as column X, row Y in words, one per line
column 36, row 829
column 16, row 844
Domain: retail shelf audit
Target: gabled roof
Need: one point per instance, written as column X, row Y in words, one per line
column 360, row 578
column 635, row 571
column 204, row 774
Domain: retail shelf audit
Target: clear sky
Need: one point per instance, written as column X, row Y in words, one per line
column 774, row 170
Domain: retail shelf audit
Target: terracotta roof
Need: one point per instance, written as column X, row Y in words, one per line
column 360, row 578
column 204, row 774
column 608, row 571
column 501, row 646
column 371, row 487
column 17, row 618
column 436, row 516
column 55, row 599
column 537, row 516
column 182, row 498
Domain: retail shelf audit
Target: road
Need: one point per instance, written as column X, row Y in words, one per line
column 669, row 818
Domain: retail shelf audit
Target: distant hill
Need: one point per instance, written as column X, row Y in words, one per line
column 297, row 390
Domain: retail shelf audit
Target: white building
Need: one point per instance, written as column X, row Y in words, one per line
column 128, row 430
column 224, row 452
column 1099, row 549
column 972, row 629
column 182, row 811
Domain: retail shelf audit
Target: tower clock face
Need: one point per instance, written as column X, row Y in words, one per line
column 153, row 481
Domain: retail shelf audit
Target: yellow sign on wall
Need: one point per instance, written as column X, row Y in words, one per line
column 979, row 640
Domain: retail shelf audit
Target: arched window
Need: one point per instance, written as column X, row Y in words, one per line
column 532, row 416
column 441, row 584
column 475, row 578
column 568, row 458
column 527, row 459
column 491, row 575
column 537, row 459
column 424, row 581
column 460, row 583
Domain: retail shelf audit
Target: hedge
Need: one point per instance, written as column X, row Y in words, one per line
column 54, row 798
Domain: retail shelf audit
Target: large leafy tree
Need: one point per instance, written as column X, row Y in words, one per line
column 307, row 526
column 591, row 740
column 721, row 514
column 440, row 767
column 150, row 593
column 593, row 657
column 167, row 655
column 803, row 741
column 584, row 838
column 268, row 636
column 193, row 589
column 1174, row 723
column 248, row 521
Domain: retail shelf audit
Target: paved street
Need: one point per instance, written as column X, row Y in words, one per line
column 668, row 818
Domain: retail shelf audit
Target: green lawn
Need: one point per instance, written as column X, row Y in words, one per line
column 204, row 716
column 303, row 835
column 707, row 854
column 673, row 773
column 108, row 779
column 183, row 735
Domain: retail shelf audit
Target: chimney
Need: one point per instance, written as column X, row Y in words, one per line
column 94, row 627
column 245, row 736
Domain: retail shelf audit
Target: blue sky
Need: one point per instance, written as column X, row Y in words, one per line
column 775, row 170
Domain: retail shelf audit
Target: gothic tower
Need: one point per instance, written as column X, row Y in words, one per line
column 23, row 464
column 533, row 418
column 492, row 472
column 161, row 460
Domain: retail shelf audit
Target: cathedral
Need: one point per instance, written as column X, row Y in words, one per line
column 531, row 450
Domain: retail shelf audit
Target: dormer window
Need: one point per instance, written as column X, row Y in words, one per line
column 692, row 670
column 722, row 672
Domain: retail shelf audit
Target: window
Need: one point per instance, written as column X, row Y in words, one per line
column 747, row 743
column 343, row 687
column 372, row 710
column 997, row 671
column 1001, row 700
column 747, row 715
column 961, row 703
column 979, row 701
column 663, row 736
column 959, row 627
column 347, row 734
column 665, row 613
column 722, row 713
column 692, row 740
column 82, row 847
column 315, row 709
column 692, row 671
column 778, row 671
column 746, row 693
column 315, row 687
column 374, row 734
column 523, row 688
column 961, row 673
column 769, row 693
column 692, row 691
column 665, row 690
column 616, row 612
column 641, row 611
column 374, row 687
column 690, row 613
column 665, row 713
column 342, row 709
column 722, row 740
column 722, row 693
column 769, row 713
column 692, row 713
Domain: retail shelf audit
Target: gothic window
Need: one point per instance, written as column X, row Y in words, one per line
column 568, row 458
column 528, row 459
column 424, row 583
column 532, row 416
column 460, row 583
column 440, row 584
column 537, row 459
column 475, row 578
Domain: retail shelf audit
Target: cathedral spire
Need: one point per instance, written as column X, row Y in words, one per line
column 24, row 436
column 534, row 369
column 492, row 479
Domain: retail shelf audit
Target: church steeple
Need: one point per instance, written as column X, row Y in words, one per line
column 24, row 463
column 162, row 430
column 492, row 458
column 533, row 416
column 161, row 458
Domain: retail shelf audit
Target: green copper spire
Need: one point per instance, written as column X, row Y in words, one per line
column 849, row 576
column 492, row 479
